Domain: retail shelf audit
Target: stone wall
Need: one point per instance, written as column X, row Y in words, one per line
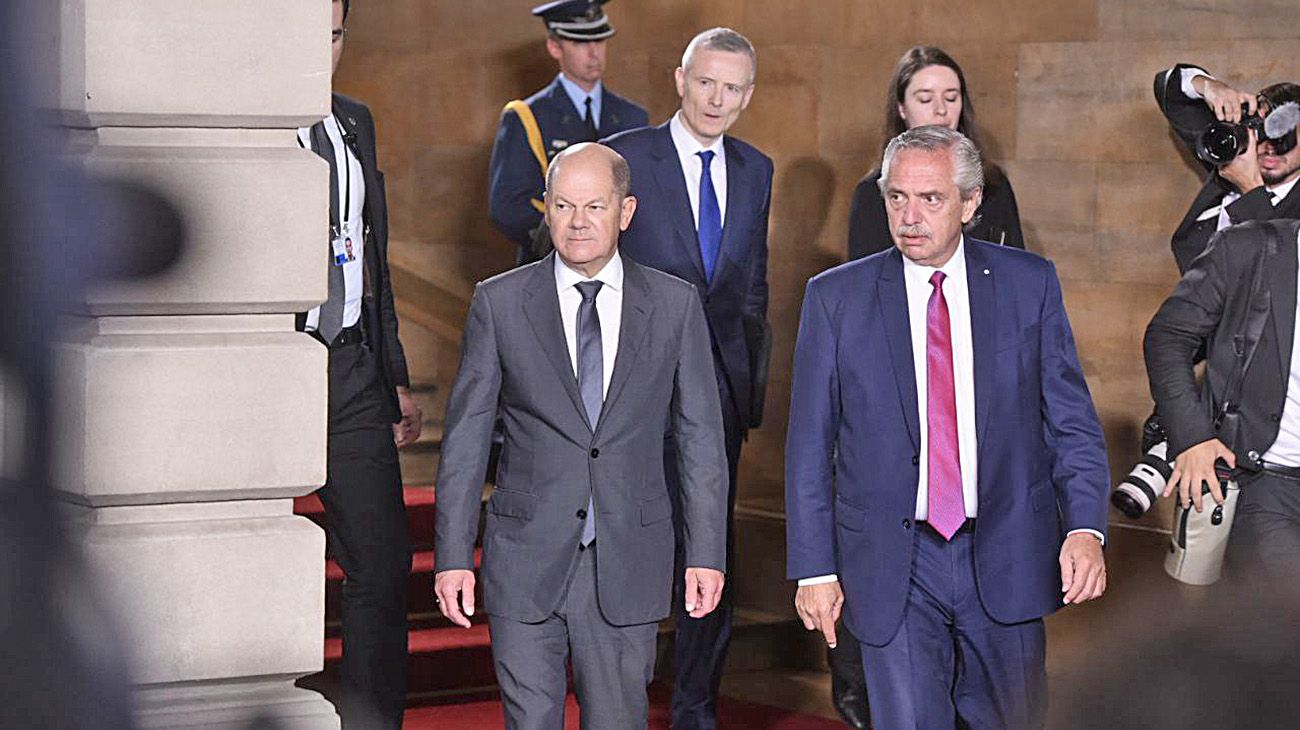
column 1063, row 94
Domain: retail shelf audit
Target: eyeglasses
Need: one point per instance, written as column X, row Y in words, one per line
column 338, row 34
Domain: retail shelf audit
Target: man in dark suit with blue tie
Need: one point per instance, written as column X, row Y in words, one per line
column 575, row 107
column 944, row 461
column 704, row 208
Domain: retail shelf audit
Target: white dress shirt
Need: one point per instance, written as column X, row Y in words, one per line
column 688, row 149
column 609, row 307
column 351, row 204
column 579, row 98
column 1220, row 211
column 916, row 279
column 1286, row 448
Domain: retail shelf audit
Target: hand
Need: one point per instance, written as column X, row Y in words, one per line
column 819, row 608
column 1224, row 100
column 703, row 591
column 455, row 595
column 1196, row 466
column 1243, row 172
column 407, row 430
column 1083, row 569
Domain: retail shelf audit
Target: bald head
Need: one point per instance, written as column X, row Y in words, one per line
column 588, row 205
column 594, row 153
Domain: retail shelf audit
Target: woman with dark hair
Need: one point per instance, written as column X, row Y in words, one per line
column 929, row 87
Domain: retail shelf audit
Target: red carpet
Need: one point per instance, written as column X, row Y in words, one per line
column 452, row 667
column 733, row 715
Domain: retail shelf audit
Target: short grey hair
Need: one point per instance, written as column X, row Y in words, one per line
column 722, row 39
column 619, row 170
column 968, row 168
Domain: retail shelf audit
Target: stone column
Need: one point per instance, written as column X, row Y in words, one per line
column 190, row 411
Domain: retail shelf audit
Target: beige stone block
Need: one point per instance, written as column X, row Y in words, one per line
column 1210, row 20
column 1006, row 21
column 1073, row 252
column 1055, row 195
column 232, row 705
column 231, row 63
column 169, row 409
column 238, row 593
column 1109, row 320
column 1146, row 197
column 256, row 211
column 854, row 83
column 1139, row 257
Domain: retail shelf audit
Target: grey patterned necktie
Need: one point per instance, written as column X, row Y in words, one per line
column 591, row 377
column 331, row 311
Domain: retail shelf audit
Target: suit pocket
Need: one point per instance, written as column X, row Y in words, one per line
column 850, row 517
column 519, row 505
column 656, row 510
column 1042, row 496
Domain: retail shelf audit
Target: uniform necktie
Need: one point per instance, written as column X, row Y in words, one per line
column 710, row 226
column 592, row 134
column 591, row 377
column 947, row 507
column 331, row 311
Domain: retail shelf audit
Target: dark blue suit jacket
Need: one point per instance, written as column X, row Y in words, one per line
column 663, row 236
column 852, row 448
column 514, row 177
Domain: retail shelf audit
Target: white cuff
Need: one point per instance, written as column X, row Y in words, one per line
column 1095, row 533
column 816, row 580
column 1186, row 82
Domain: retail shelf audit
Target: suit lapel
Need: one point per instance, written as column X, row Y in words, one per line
column 980, row 285
column 542, row 308
column 672, row 189
column 891, row 293
column 633, row 328
column 1282, row 297
column 737, row 210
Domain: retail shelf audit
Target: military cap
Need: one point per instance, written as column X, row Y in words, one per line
column 576, row 20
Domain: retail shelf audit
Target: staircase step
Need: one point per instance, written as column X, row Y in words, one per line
column 419, row 588
column 419, row 512
column 441, row 661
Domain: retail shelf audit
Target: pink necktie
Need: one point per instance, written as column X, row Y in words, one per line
column 947, row 507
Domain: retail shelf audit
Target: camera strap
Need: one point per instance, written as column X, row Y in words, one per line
column 1246, row 343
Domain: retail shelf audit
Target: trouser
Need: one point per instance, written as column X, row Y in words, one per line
column 612, row 665
column 700, row 646
column 950, row 662
column 1265, row 540
column 367, row 529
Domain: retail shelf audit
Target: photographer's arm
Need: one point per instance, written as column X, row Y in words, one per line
column 1172, row 340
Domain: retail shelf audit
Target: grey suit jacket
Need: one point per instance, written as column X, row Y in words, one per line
column 515, row 362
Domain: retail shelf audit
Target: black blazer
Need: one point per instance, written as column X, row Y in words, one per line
column 1214, row 301
column 1188, row 117
column 997, row 221
column 378, row 314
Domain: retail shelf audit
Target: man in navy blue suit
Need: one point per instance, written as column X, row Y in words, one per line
column 575, row 107
column 704, row 199
column 944, row 462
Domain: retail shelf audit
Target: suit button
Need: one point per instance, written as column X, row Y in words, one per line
column 1274, row 417
column 582, row 514
column 907, row 523
column 916, row 459
column 595, row 453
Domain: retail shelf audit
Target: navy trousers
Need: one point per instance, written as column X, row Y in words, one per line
column 700, row 645
column 950, row 662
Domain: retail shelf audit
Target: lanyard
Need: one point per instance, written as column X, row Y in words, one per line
column 347, row 172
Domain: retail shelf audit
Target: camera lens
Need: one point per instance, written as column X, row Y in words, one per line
column 1221, row 142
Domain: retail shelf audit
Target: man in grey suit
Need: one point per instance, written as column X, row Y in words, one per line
column 588, row 357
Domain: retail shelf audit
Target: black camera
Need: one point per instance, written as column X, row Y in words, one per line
column 1222, row 142
column 1146, row 481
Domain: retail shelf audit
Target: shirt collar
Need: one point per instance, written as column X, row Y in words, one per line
column 686, row 144
column 954, row 269
column 579, row 97
column 1281, row 191
column 611, row 276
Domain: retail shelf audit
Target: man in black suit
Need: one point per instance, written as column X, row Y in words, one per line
column 1258, row 186
column 371, row 413
column 1241, row 296
column 704, row 201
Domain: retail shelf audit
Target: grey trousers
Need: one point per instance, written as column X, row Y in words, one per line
column 612, row 665
column 1265, row 540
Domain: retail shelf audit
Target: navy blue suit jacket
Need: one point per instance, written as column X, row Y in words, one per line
column 663, row 236
column 852, row 451
column 515, row 178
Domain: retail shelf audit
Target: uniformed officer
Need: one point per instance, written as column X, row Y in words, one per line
column 574, row 108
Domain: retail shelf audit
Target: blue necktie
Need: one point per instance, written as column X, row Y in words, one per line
column 710, row 226
column 591, row 377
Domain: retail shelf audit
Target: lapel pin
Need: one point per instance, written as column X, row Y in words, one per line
column 986, row 272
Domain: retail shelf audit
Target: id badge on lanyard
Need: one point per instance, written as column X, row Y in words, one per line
column 341, row 246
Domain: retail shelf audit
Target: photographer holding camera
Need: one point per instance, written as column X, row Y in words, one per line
column 1241, row 187
column 1238, row 300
